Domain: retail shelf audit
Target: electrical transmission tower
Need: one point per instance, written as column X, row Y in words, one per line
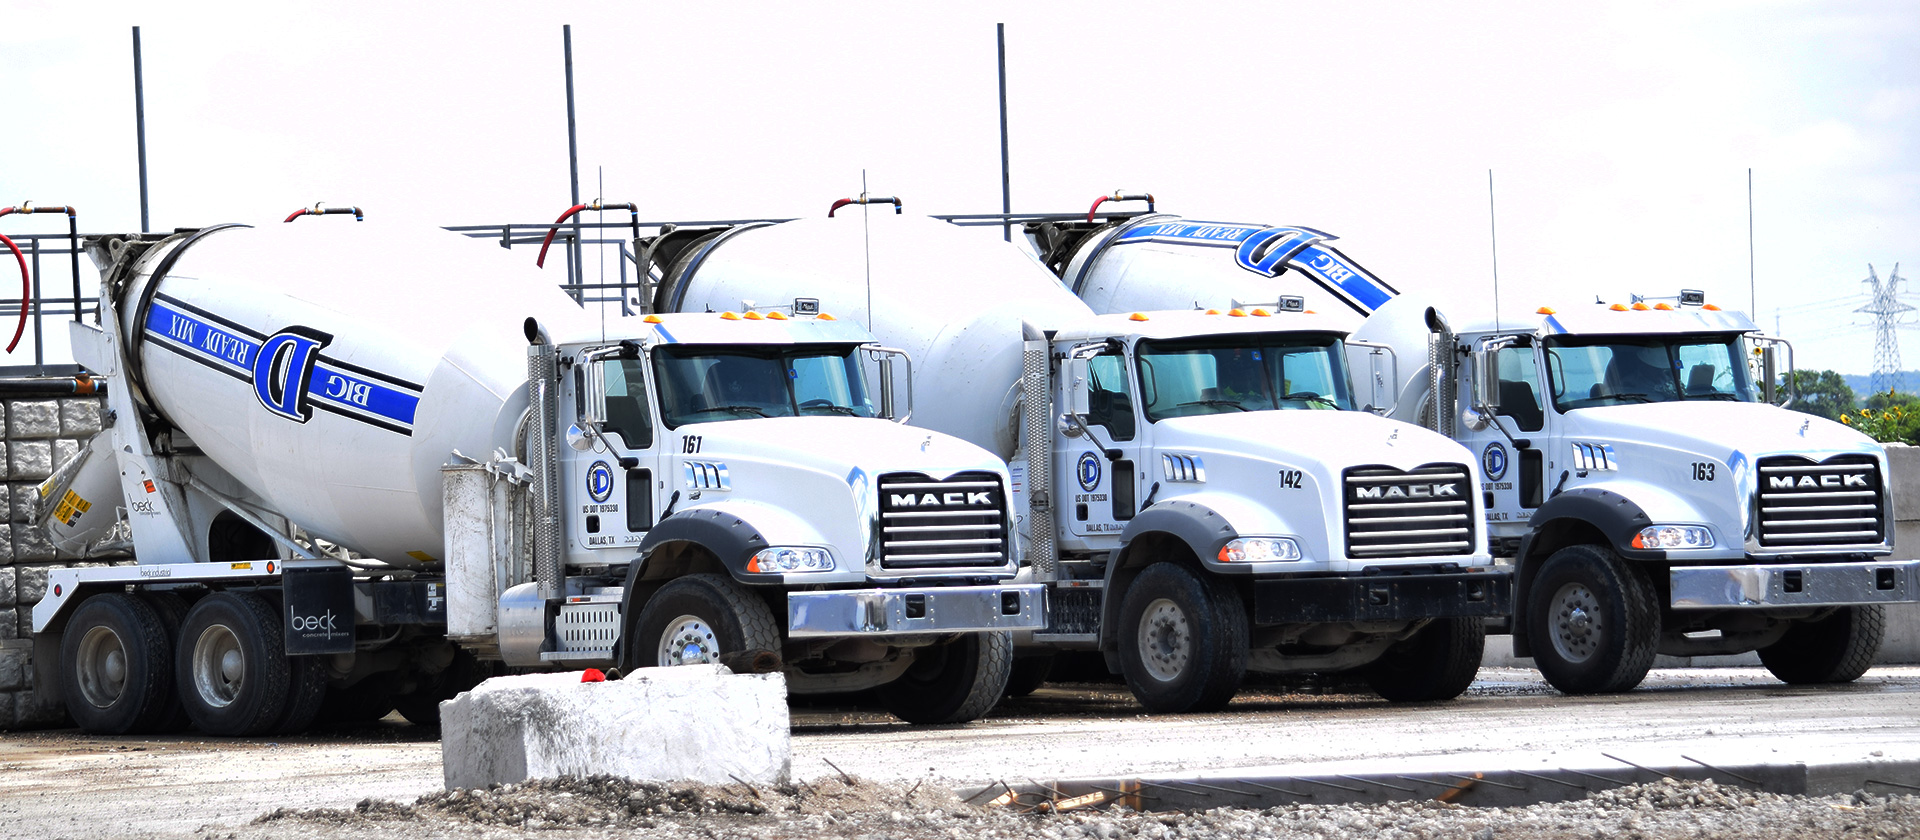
column 1886, row 308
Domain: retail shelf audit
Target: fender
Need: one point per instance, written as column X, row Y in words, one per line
column 731, row 539
column 1616, row 517
column 1201, row 528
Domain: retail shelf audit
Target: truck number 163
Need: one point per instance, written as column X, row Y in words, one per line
column 1702, row 471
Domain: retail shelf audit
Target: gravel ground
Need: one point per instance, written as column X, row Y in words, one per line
column 860, row 810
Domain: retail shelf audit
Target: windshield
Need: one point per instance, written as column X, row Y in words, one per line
column 1614, row 370
column 702, row 384
column 1222, row 374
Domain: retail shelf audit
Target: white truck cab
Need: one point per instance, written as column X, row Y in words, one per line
column 1653, row 500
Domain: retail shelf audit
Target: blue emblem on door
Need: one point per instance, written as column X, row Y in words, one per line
column 600, row 481
column 1088, row 471
column 1494, row 461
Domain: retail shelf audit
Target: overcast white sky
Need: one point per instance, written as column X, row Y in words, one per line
column 1620, row 134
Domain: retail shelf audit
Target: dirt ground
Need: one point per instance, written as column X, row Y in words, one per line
column 384, row 780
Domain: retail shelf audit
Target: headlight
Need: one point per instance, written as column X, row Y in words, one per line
column 1673, row 536
column 791, row 559
column 1260, row 550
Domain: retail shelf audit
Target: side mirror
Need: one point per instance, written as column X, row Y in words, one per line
column 1076, row 372
column 593, row 394
column 1486, row 373
column 886, row 387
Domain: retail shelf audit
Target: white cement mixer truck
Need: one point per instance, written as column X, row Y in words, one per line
column 1682, row 515
column 1188, row 484
column 383, row 460
column 1653, row 499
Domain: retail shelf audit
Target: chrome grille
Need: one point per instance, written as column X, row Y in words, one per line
column 942, row 524
column 1840, row 501
column 1419, row 513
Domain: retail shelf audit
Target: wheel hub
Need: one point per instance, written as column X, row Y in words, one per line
column 1166, row 645
column 1575, row 623
column 102, row 667
column 219, row 666
column 688, row 640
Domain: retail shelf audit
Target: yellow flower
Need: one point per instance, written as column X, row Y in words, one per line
column 1845, row 419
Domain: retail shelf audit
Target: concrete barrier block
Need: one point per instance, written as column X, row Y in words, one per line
column 698, row 723
column 80, row 417
column 34, row 419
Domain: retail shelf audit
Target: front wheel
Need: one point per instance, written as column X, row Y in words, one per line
column 1594, row 621
column 953, row 682
column 1183, row 640
column 698, row 618
column 1835, row 649
column 1436, row 663
column 116, row 670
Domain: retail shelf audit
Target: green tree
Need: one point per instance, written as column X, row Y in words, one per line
column 1822, row 392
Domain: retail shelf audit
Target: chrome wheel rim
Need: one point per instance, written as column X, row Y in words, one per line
column 102, row 667
column 688, row 640
column 1166, row 644
column 219, row 666
column 1575, row 622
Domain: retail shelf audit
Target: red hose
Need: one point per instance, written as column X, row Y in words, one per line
column 26, row 287
column 1118, row 196
column 542, row 261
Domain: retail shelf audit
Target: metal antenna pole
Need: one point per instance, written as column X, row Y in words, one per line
column 1493, row 234
column 1753, row 297
column 1006, row 178
column 140, row 128
column 573, row 159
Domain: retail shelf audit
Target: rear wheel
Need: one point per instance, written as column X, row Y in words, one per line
column 421, row 707
column 1594, row 621
column 173, row 612
column 232, row 665
column 1835, row 649
column 115, row 670
column 953, row 682
column 1183, row 640
column 1436, row 663
column 695, row 619
column 1028, row 674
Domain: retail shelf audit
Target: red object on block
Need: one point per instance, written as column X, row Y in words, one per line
column 592, row 675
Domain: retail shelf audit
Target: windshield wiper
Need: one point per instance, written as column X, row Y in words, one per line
column 1225, row 403
column 1631, row 397
column 736, row 408
column 837, row 409
column 1715, row 395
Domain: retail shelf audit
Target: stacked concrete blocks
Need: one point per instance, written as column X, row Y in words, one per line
column 700, row 723
column 36, row 434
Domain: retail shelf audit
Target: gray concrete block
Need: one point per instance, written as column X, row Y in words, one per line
column 20, row 498
column 7, row 590
column 10, row 622
column 6, row 543
column 33, row 419
column 64, row 449
column 694, row 723
column 31, row 543
column 26, row 629
column 30, row 585
column 14, row 665
column 1903, row 462
column 29, row 460
column 8, row 720
column 80, row 417
column 30, row 711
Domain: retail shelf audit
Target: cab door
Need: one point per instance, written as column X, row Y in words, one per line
column 1102, row 494
column 611, row 480
column 1512, row 447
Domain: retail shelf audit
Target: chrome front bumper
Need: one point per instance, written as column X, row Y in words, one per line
column 1810, row 585
column 901, row 612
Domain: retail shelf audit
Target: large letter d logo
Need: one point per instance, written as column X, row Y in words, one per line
column 281, row 370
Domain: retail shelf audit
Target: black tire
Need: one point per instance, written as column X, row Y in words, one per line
column 1183, row 640
column 1028, row 674
column 421, row 707
column 1835, row 649
column 1594, row 621
column 695, row 619
column 232, row 665
column 115, row 669
column 954, row 682
column 173, row 612
column 363, row 702
column 306, row 690
column 1436, row 663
